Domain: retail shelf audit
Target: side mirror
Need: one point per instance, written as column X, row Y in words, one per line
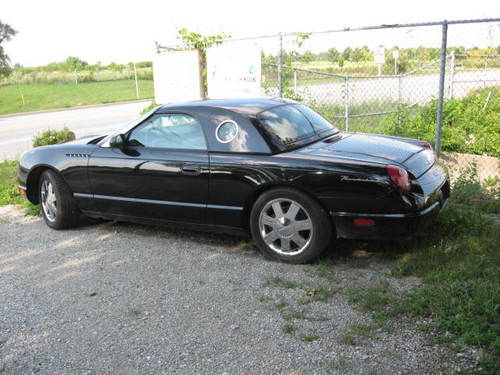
column 117, row 141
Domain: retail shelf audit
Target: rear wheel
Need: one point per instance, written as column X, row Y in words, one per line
column 289, row 226
column 59, row 209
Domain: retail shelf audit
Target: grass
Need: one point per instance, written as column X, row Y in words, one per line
column 309, row 337
column 459, row 264
column 40, row 96
column 357, row 332
column 279, row 282
column 289, row 329
column 342, row 364
column 9, row 193
column 321, row 293
column 8, row 186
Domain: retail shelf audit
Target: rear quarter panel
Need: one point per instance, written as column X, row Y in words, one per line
column 339, row 185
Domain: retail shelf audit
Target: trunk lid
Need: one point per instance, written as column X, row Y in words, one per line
column 376, row 148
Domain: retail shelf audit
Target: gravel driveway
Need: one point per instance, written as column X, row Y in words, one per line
column 124, row 299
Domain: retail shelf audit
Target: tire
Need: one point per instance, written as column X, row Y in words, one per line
column 297, row 234
column 61, row 213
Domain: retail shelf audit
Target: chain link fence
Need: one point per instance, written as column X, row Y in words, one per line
column 438, row 82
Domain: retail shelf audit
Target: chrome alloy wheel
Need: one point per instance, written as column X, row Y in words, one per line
column 48, row 198
column 285, row 226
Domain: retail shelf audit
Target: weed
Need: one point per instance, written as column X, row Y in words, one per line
column 289, row 329
column 279, row 282
column 264, row 299
column 342, row 364
column 309, row 337
column 348, row 339
column 363, row 330
column 292, row 313
column 280, row 304
column 320, row 293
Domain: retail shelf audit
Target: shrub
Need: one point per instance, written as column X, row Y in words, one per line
column 470, row 124
column 52, row 137
column 149, row 107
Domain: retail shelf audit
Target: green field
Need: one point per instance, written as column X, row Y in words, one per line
column 40, row 96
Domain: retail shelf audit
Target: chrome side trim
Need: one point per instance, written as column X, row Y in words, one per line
column 82, row 195
column 420, row 213
column 220, row 207
column 154, row 201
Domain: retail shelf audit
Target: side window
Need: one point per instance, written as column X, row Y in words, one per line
column 169, row 131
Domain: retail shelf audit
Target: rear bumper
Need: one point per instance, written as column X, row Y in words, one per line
column 388, row 226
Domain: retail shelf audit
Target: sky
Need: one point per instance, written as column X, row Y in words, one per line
column 123, row 31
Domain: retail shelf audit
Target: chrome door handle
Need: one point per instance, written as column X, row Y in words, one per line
column 191, row 170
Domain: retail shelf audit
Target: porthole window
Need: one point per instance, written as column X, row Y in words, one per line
column 226, row 131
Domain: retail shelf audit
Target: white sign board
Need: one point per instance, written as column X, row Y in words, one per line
column 234, row 71
column 379, row 55
column 176, row 76
column 395, row 54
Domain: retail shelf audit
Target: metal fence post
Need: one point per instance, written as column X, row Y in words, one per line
column 280, row 67
column 452, row 74
column 442, row 72
column 136, row 82
column 400, row 99
column 346, row 103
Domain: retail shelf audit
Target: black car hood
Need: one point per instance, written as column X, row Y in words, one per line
column 373, row 148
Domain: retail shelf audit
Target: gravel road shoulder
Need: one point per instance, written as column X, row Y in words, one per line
column 118, row 298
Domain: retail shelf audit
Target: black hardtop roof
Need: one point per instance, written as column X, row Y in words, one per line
column 245, row 106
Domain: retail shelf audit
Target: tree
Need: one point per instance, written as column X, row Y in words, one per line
column 6, row 34
column 193, row 40
column 334, row 55
column 361, row 54
column 73, row 63
column 307, row 56
column 346, row 55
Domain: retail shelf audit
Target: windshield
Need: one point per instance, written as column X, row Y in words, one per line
column 294, row 124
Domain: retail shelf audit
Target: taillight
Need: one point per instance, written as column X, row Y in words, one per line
column 399, row 177
column 425, row 144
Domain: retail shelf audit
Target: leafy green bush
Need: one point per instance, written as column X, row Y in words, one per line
column 470, row 124
column 52, row 137
column 9, row 193
column 149, row 107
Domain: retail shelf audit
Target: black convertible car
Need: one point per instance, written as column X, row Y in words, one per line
column 269, row 167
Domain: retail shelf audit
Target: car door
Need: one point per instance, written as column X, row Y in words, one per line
column 160, row 173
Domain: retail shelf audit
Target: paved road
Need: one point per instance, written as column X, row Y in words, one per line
column 412, row 89
column 16, row 132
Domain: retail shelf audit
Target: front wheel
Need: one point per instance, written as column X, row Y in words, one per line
column 289, row 226
column 58, row 206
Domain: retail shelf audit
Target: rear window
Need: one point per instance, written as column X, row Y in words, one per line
column 289, row 125
column 319, row 123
